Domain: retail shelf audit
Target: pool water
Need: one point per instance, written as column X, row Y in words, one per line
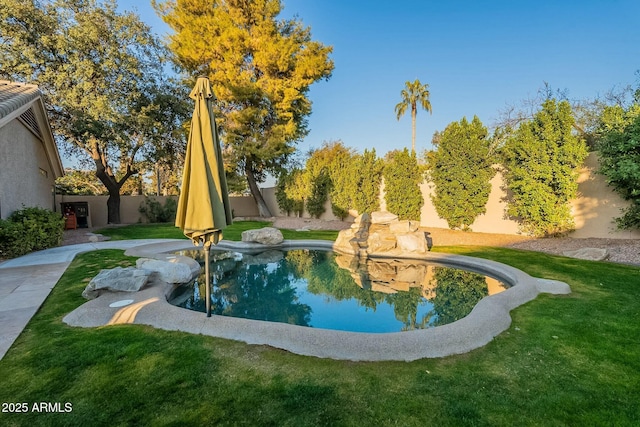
column 323, row 289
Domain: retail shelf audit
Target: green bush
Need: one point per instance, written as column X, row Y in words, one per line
column 320, row 187
column 461, row 170
column 542, row 159
column 30, row 229
column 285, row 203
column 367, row 176
column 402, row 178
column 620, row 159
column 156, row 212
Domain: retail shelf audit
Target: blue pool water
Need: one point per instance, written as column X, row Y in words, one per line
column 323, row 289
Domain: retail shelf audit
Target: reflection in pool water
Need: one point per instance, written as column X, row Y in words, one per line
column 334, row 291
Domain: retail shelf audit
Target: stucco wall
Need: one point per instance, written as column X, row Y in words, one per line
column 129, row 205
column 594, row 209
column 269, row 195
column 26, row 177
column 597, row 205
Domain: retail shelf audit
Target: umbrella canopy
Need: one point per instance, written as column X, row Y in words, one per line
column 203, row 207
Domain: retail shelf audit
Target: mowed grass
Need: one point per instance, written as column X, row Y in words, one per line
column 232, row 232
column 565, row 360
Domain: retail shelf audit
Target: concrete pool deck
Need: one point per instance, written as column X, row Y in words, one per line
column 25, row 282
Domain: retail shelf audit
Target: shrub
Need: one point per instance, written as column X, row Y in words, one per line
column 368, row 176
column 542, row 160
column 461, row 169
column 30, row 229
column 620, row 159
column 402, row 178
column 285, row 203
column 156, row 212
column 320, row 186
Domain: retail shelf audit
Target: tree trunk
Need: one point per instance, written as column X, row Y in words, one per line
column 263, row 209
column 113, row 208
column 413, row 129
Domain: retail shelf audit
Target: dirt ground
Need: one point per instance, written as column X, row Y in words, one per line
column 620, row 250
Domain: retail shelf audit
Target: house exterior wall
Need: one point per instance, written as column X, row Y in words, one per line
column 26, row 176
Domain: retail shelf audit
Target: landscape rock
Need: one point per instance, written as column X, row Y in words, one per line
column 381, row 242
column 383, row 217
column 590, row 254
column 382, row 234
column 412, row 242
column 168, row 271
column 118, row 279
column 404, row 226
column 265, row 236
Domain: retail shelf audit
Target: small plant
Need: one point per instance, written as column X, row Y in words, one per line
column 30, row 229
column 156, row 212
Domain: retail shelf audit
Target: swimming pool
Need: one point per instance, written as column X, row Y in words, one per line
column 323, row 289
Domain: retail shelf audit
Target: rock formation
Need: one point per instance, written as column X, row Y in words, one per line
column 382, row 233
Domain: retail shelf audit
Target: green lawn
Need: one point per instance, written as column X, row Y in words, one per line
column 233, row 232
column 565, row 360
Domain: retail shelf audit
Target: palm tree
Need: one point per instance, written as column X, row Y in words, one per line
column 412, row 94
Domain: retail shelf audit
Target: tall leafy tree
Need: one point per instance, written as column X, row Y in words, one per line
column 542, row 159
column 413, row 94
column 461, row 168
column 402, row 178
column 260, row 67
column 101, row 73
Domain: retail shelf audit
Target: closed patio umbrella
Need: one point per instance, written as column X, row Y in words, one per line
column 203, row 207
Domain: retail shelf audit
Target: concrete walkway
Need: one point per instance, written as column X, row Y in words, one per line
column 25, row 283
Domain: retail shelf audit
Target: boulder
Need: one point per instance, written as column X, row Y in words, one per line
column 118, row 279
column 412, row 242
column 343, row 242
column 381, row 242
column 168, row 271
column 265, row 236
column 403, row 227
column 590, row 254
column 383, row 217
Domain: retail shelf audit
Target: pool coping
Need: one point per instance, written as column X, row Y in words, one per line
column 488, row 318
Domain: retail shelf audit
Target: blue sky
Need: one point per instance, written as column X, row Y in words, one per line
column 478, row 57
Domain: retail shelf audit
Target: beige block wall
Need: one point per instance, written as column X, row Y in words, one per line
column 26, row 177
column 129, row 205
column 269, row 195
column 593, row 210
column 597, row 205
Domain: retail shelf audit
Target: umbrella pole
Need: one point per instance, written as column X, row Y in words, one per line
column 207, row 278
